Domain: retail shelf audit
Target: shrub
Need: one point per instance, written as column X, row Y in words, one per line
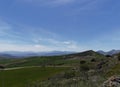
column 82, row 62
column 108, row 56
column 93, row 60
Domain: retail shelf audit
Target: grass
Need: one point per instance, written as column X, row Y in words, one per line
column 25, row 76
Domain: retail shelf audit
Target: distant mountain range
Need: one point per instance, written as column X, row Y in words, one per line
column 17, row 54
column 112, row 52
column 3, row 55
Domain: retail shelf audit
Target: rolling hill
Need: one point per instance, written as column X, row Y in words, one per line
column 68, row 59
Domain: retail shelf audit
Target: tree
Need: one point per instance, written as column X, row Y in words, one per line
column 93, row 60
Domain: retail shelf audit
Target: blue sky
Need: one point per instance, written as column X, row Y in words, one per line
column 64, row 25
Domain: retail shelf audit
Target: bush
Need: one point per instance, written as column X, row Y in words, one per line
column 93, row 60
column 82, row 62
column 108, row 56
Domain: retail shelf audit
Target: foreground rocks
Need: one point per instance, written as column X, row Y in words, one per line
column 113, row 81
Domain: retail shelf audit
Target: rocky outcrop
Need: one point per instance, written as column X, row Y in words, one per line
column 113, row 81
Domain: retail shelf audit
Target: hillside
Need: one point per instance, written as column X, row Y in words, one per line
column 70, row 59
column 86, row 69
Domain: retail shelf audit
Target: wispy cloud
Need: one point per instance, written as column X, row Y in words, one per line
column 23, row 33
column 63, row 45
column 38, row 47
column 17, row 38
column 16, row 47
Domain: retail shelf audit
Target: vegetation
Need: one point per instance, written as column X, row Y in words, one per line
column 87, row 69
column 25, row 76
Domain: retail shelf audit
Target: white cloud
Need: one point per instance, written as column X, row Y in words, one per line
column 15, row 47
column 67, row 42
column 53, row 41
column 36, row 48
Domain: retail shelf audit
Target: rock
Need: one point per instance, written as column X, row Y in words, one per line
column 113, row 81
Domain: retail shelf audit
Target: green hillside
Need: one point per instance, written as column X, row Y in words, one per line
column 65, row 60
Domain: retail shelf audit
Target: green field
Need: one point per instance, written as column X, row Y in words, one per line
column 25, row 76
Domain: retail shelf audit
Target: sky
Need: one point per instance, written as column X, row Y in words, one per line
column 59, row 25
